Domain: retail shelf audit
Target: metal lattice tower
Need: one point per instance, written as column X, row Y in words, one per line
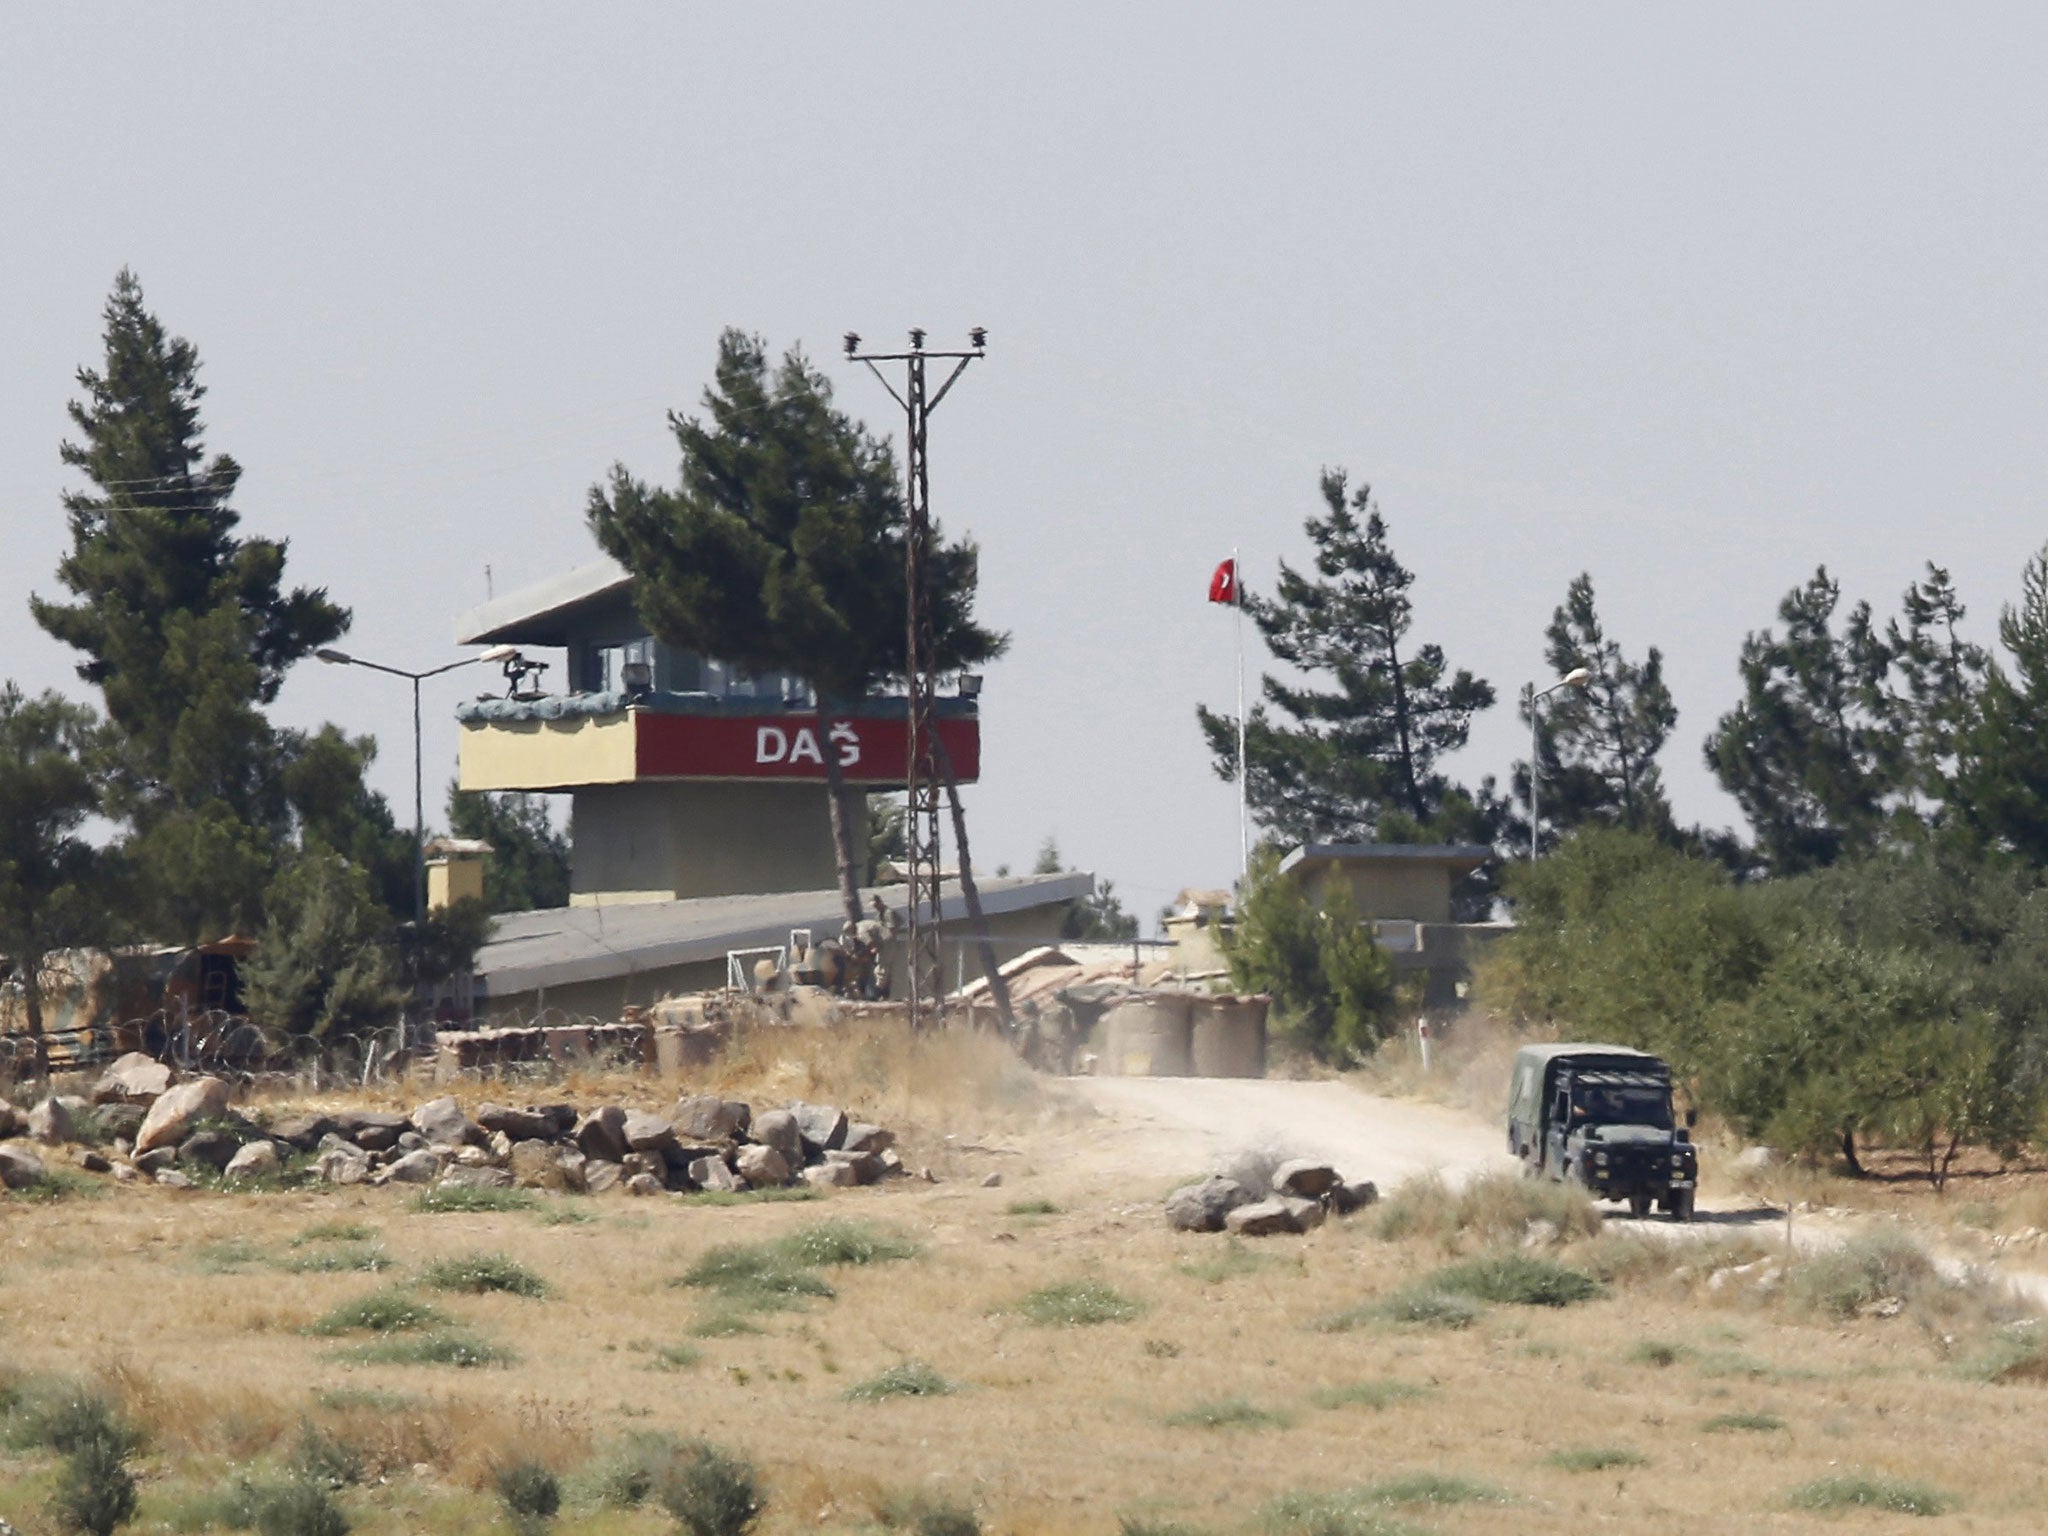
column 925, row 787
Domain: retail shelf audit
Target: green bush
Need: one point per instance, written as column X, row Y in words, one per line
column 1367, row 1394
column 459, row 1199
column 1226, row 1413
column 1079, row 1304
column 947, row 1520
column 913, row 1378
column 1417, row 1305
column 1657, row 1352
column 446, row 1346
column 352, row 1258
column 95, row 1492
column 335, row 1232
column 478, row 1273
column 1031, row 1208
column 1357, row 1511
column 1593, row 1458
column 1854, row 1492
column 2018, row 1352
column 531, row 1494
column 294, row 1507
column 844, row 1242
column 711, row 1492
column 64, row 1416
column 318, row 1457
column 1723, row 1423
column 625, row 1473
column 388, row 1311
column 1517, row 1279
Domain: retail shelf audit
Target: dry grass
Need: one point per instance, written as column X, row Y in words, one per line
column 1057, row 1429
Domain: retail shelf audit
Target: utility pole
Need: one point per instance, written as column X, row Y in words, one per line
column 925, row 783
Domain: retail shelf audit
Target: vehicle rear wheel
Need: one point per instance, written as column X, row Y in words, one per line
column 1639, row 1205
column 1681, row 1204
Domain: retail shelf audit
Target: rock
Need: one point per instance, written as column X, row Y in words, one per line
column 644, row 1184
column 156, row 1160
column 648, row 1133
column 93, row 1162
column 119, row 1122
column 821, row 1126
column 124, row 1173
column 601, row 1134
column 422, row 1165
column 170, row 1178
column 831, row 1176
column 653, row 1164
column 561, row 1118
column 257, row 1160
column 711, row 1173
column 374, row 1130
column 866, row 1166
column 519, row 1124
column 501, row 1147
column 21, row 1168
column 211, row 1150
column 777, row 1128
column 867, row 1138
column 544, row 1165
column 1754, row 1160
column 707, row 1117
column 12, row 1122
column 1202, row 1207
column 598, row 1177
column 50, row 1123
column 474, row 1178
column 1301, row 1179
column 471, row 1157
column 444, row 1124
column 342, row 1163
column 171, row 1117
column 1308, row 1214
column 762, row 1166
column 993, row 1181
column 1355, row 1195
column 409, row 1141
column 1268, row 1218
column 135, row 1078
column 892, row 1165
column 301, row 1131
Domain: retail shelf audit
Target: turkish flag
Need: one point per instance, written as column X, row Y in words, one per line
column 1223, row 585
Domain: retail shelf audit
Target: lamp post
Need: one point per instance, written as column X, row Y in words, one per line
column 1576, row 678
column 419, row 818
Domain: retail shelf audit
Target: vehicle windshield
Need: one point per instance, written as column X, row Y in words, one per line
column 1622, row 1104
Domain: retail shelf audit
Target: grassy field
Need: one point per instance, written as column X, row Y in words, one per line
column 1044, row 1356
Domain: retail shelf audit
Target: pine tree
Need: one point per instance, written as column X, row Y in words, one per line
column 1358, row 760
column 781, row 550
column 2003, row 768
column 1096, row 919
column 1942, row 678
column 1814, row 749
column 529, row 864
column 185, row 627
column 1597, row 745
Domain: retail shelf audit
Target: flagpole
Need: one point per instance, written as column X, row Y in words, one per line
column 1244, row 815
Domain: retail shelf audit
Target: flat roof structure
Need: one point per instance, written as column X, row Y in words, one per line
column 539, row 614
column 1462, row 858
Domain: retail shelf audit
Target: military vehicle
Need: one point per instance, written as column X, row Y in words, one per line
column 1600, row 1116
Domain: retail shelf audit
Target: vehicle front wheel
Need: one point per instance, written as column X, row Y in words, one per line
column 1639, row 1205
column 1681, row 1204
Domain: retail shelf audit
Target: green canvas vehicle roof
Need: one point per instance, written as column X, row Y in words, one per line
column 1532, row 1066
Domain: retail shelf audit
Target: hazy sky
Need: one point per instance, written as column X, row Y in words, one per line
column 1691, row 300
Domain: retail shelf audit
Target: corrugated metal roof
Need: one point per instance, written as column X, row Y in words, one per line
column 560, row 945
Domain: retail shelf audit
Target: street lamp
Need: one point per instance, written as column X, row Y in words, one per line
column 419, row 816
column 1578, row 677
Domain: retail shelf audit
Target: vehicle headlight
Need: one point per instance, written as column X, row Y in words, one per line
column 1599, row 1159
column 1678, row 1159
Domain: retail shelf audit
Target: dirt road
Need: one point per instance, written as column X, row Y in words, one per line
column 1175, row 1125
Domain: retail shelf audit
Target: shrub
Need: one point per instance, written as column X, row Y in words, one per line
column 95, row 1492
column 947, row 1520
column 913, row 1378
column 1079, row 1304
column 1861, row 1271
column 354, row 1258
column 335, row 1232
column 1368, row 1394
column 772, row 1195
column 1602, row 1458
column 560, row 1213
column 456, row 1199
column 1493, row 1208
column 625, row 1473
column 294, row 1507
column 531, row 1493
column 711, row 1492
column 844, row 1242
column 1031, row 1208
column 447, row 1346
column 1517, row 1279
column 477, row 1273
column 755, row 1278
column 2016, row 1353
column 1356, row 1511
column 1657, row 1352
column 63, row 1416
column 389, row 1311
column 229, row 1257
column 1417, row 1305
column 674, row 1357
column 1225, row 1413
column 1725, row 1422
column 318, row 1457
column 1853, row 1492
column 723, row 1323
column 1434, row 1488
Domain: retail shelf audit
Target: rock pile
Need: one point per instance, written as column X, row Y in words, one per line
column 167, row 1130
column 1295, row 1196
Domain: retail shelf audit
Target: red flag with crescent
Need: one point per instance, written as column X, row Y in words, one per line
column 1223, row 585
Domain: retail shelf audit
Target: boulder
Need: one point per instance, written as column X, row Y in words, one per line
column 135, row 1078
column 601, row 1134
column 501, row 1147
column 422, row 1165
column 124, row 1173
column 474, row 1178
column 301, row 1131
column 648, row 1133
column 866, row 1166
column 1202, row 1207
column 444, row 1124
column 211, row 1150
column 561, row 1118
column 409, row 1141
column 1354, row 1195
column 12, row 1121
column 544, row 1165
column 761, row 1166
column 119, row 1122
column 711, row 1173
column 644, row 1184
column 519, row 1124
column 93, row 1162
column 171, row 1118
column 156, row 1160
column 1269, row 1218
column 50, row 1123
column 598, row 1177
column 867, row 1138
column 470, row 1157
column 1308, row 1214
column 653, row 1164
column 777, row 1128
column 831, row 1176
column 170, row 1178
column 373, row 1130
column 20, row 1168
column 892, row 1165
column 707, row 1117
column 1301, row 1179
column 992, row 1181
column 821, row 1126
column 257, row 1160
column 342, row 1163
